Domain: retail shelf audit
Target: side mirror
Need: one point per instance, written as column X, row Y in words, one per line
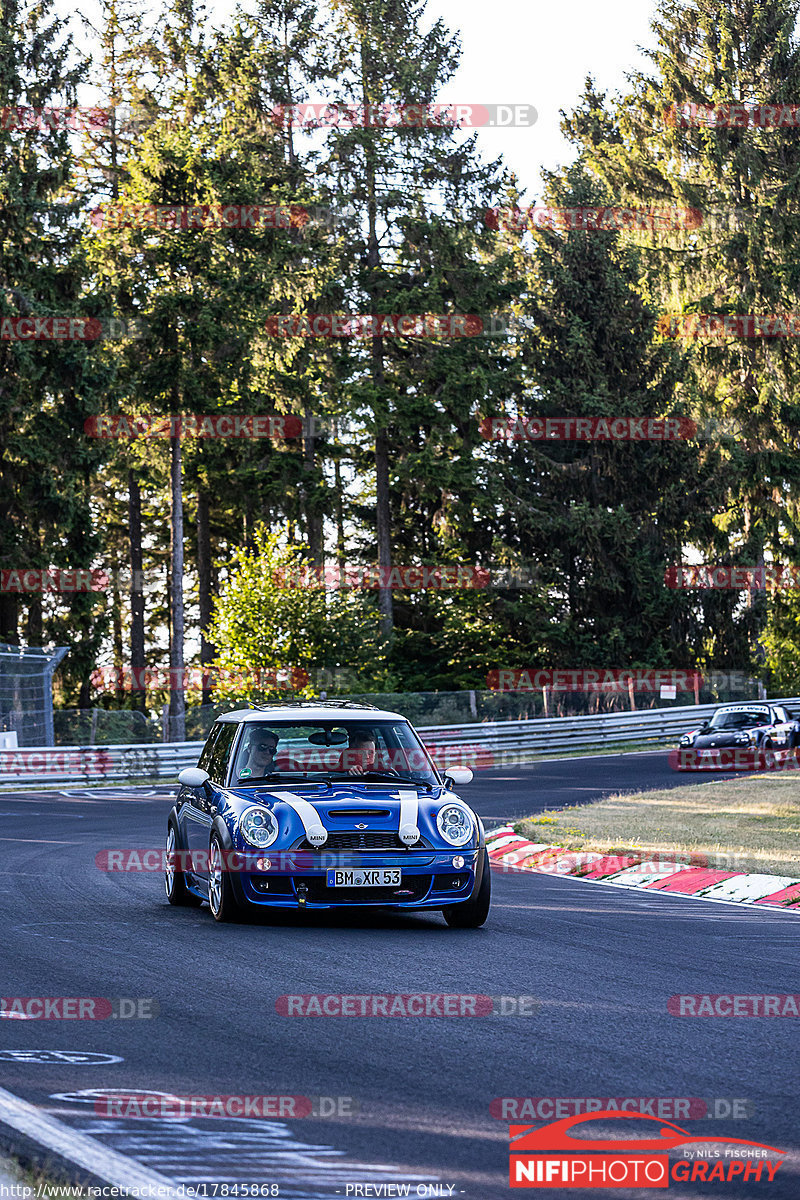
column 458, row 775
column 193, row 777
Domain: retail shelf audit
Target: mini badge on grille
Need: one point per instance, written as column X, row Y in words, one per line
column 362, row 826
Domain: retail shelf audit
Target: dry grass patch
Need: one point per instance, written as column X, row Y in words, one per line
column 748, row 824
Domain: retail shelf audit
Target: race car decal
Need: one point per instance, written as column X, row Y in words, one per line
column 409, row 810
column 316, row 833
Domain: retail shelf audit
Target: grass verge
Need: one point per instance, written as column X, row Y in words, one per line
column 748, row 824
column 31, row 1183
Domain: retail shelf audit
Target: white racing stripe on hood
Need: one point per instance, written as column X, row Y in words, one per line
column 316, row 833
column 409, row 811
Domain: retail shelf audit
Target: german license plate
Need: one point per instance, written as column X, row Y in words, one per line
column 373, row 877
column 709, row 753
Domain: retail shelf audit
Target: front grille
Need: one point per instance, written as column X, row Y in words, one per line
column 359, row 814
column 367, row 839
column 413, row 888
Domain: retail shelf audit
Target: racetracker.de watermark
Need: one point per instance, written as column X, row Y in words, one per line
column 407, row 1004
column 436, row 577
column 368, row 325
column 50, row 119
column 70, row 329
column 78, row 1008
column 138, row 679
column 193, row 425
column 667, row 1108
column 19, row 580
column 730, row 578
column 604, row 220
column 90, row 763
column 552, row 860
column 249, row 862
column 587, row 429
column 599, row 679
column 723, row 325
column 170, row 217
column 163, row 1106
column 732, row 115
column 776, row 1004
column 372, row 578
column 397, row 325
column 734, row 758
column 389, row 115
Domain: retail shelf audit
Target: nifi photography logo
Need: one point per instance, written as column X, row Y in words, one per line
column 551, row 1156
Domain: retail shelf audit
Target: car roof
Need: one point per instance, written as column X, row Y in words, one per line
column 746, row 706
column 310, row 711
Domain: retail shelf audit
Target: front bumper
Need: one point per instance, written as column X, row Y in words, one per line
column 299, row 879
column 727, row 758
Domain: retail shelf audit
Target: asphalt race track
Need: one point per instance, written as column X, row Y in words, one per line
column 410, row 1096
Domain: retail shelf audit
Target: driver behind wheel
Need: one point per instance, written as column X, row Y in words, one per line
column 359, row 757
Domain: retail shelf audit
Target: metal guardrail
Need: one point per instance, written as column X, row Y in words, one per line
column 483, row 744
column 553, row 735
column 97, row 764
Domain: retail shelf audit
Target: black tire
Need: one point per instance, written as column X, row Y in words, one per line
column 472, row 913
column 767, row 757
column 221, row 898
column 174, row 881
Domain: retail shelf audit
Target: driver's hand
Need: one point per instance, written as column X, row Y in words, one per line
column 356, row 770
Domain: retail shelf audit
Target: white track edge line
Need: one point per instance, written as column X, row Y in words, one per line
column 78, row 1149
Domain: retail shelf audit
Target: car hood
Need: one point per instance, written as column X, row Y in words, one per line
column 722, row 737
column 314, row 814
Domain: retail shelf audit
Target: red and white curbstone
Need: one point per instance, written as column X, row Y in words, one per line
column 508, row 851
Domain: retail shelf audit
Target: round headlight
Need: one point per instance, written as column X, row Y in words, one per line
column 259, row 827
column 454, row 824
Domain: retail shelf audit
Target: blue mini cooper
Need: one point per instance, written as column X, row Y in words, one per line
column 324, row 805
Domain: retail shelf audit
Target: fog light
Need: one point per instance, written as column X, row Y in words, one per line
column 458, row 862
column 263, row 864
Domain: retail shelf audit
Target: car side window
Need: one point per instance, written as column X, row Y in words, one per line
column 781, row 716
column 204, row 760
column 220, row 753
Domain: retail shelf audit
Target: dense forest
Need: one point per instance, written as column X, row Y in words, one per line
column 261, row 363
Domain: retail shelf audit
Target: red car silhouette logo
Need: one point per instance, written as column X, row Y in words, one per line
column 556, row 1137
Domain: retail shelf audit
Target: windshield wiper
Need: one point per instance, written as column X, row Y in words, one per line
column 364, row 775
column 380, row 776
column 261, row 778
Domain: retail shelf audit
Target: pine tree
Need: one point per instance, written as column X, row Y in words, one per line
column 743, row 175
column 46, row 387
column 414, row 246
column 601, row 521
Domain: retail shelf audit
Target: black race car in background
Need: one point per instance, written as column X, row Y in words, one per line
column 749, row 735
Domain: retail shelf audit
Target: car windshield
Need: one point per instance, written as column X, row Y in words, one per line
column 375, row 751
column 738, row 720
